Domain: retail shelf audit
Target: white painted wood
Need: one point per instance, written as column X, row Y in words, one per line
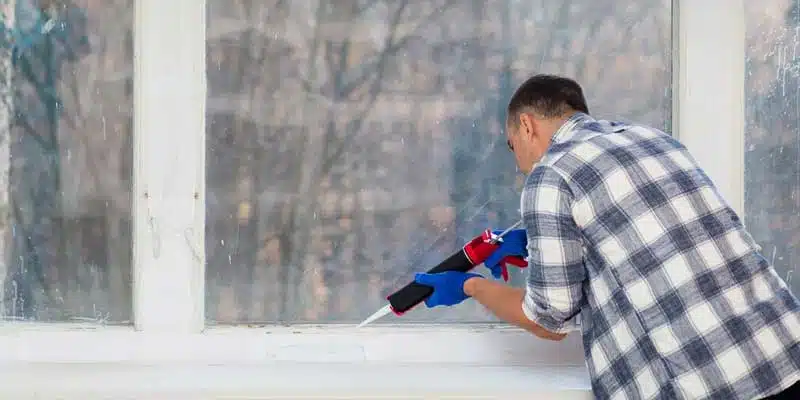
column 332, row 361
column 709, row 72
column 6, row 111
column 431, row 344
column 169, row 165
column 290, row 381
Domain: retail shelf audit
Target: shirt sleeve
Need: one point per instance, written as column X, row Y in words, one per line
column 556, row 272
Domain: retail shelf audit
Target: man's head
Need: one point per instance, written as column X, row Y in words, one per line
column 536, row 110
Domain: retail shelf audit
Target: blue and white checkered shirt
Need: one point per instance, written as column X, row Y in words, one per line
column 631, row 243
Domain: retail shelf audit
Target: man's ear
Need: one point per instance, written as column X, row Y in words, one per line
column 527, row 125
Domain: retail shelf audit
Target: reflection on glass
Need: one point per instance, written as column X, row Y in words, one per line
column 351, row 144
column 65, row 160
column 772, row 139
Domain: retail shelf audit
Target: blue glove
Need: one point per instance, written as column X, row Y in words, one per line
column 448, row 287
column 513, row 249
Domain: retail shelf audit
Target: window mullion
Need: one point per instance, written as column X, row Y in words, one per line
column 709, row 72
column 169, row 165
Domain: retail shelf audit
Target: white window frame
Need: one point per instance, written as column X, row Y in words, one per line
column 169, row 165
column 708, row 102
column 169, row 250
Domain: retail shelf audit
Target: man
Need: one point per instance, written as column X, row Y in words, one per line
column 629, row 241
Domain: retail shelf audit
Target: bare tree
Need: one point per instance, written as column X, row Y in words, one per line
column 772, row 142
column 70, row 212
column 337, row 132
column 328, row 95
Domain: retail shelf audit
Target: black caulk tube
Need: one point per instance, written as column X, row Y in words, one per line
column 414, row 293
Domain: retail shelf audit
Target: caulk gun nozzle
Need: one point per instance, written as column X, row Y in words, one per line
column 378, row 314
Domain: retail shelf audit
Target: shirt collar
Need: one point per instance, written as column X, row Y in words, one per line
column 575, row 120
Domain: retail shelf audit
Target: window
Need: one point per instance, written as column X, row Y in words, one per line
column 223, row 99
column 65, row 161
column 348, row 148
column 772, row 171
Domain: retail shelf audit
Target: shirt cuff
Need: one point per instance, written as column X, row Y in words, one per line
column 547, row 322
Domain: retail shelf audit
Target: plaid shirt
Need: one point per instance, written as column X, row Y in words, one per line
column 631, row 243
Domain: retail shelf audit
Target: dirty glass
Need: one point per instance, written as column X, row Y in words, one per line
column 65, row 160
column 353, row 143
column 772, row 138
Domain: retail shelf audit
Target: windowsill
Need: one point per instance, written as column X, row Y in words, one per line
column 475, row 360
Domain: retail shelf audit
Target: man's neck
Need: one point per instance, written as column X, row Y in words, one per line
column 553, row 125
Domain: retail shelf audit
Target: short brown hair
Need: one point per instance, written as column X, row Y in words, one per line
column 548, row 96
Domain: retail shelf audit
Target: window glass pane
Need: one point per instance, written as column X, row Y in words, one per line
column 65, row 160
column 353, row 143
column 772, row 138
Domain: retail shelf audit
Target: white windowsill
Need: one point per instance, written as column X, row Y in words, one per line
column 497, row 362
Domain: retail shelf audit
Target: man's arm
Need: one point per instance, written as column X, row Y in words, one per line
column 556, row 271
column 506, row 303
column 549, row 305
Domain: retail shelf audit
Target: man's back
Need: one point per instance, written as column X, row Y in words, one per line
column 678, row 302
